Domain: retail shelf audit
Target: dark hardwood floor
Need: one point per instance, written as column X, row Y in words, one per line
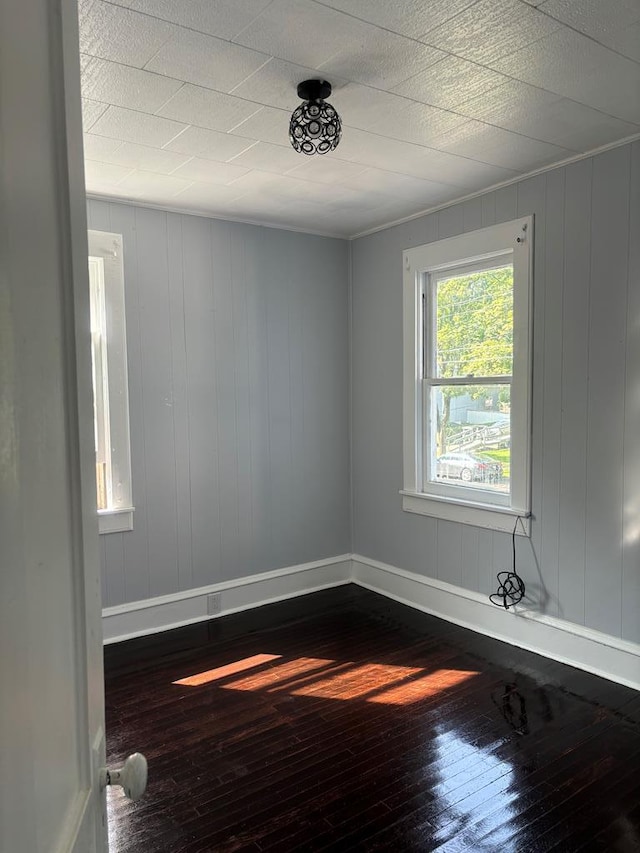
column 343, row 721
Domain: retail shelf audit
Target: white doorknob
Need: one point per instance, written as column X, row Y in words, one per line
column 132, row 776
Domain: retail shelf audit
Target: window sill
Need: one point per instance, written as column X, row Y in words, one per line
column 115, row 520
column 498, row 518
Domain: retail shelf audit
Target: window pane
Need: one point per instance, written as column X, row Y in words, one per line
column 100, row 380
column 469, row 440
column 474, row 323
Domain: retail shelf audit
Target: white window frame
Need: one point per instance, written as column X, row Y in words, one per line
column 481, row 508
column 109, row 344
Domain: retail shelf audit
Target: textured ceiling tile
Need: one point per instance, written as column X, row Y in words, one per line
column 275, row 84
column 615, row 23
column 463, row 172
column 112, row 32
column 205, row 108
column 500, row 147
column 374, row 150
column 400, row 187
column 209, row 171
column 514, row 100
column 269, row 158
column 312, row 35
column 301, row 31
column 325, row 170
column 103, row 174
column 542, row 115
column 206, row 61
column 594, row 18
column 450, row 82
column 91, row 112
column 392, row 115
column 491, row 29
column 574, row 66
column 381, row 59
column 125, row 86
column 414, row 160
column 208, row 197
column 139, row 184
column 131, row 126
column 267, row 125
column 144, row 157
column 99, row 147
column 210, row 144
column 408, row 17
column 222, row 18
column 625, row 41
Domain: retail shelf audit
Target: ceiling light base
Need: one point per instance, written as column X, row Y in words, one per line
column 314, row 90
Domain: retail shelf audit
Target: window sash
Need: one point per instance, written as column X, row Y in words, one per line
column 100, row 371
column 429, row 483
column 111, row 398
column 429, row 287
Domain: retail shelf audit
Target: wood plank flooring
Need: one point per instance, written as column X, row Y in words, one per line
column 344, row 721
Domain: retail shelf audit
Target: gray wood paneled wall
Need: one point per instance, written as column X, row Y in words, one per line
column 238, row 380
column 582, row 562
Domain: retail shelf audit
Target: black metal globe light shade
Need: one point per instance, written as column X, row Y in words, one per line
column 315, row 126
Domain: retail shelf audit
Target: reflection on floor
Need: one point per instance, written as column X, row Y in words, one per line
column 346, row 722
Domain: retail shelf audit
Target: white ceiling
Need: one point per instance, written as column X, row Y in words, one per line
column 187, row 102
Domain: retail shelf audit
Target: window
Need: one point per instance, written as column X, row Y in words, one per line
column 110, row 388
column 467, row 386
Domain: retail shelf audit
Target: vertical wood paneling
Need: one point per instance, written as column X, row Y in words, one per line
column 180, row 409
column 552, row 384
column 631, row 447
column 450, row 221
column 506, row 203
column 157, row 400
column 259, row 401
column 224, row 344
column 470, row 553
column 502, row 554
column 232, row 330
column 488, row 209
column 135, row 543
column 296, row 296
column 486, row 571
column 244, row 530
column 450, row 552
column 575, row 356
column 103, row 569
column 531, row 199
column 279, row 395
column 114, row 558
column 472, row 214
column 607, row 330
column 202, row 407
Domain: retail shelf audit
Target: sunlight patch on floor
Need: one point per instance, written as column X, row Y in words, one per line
column 422, row 688
column 327, row 678
column 219, row 672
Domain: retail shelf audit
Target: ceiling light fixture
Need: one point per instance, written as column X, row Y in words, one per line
column 315, row 126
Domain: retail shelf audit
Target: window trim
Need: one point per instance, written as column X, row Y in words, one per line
column 476, row 246
column 119, row 516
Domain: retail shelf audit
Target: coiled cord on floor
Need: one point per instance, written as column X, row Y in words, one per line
column 511, row 588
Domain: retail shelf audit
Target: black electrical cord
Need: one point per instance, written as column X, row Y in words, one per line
column 511, row 587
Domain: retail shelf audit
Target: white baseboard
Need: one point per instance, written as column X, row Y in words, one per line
column 153, row 615
column 593, row 651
